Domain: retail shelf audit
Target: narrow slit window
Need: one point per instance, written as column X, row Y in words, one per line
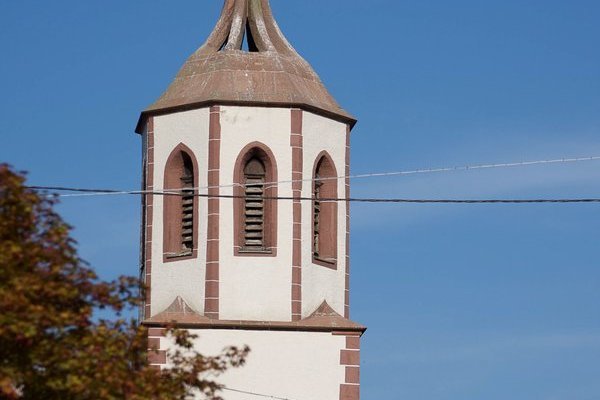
column 324, row 215
column 255, row 210
column 316, row 215
column 180, row 207
column 187, row 206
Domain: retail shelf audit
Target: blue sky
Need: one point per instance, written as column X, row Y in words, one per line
column 462, row 301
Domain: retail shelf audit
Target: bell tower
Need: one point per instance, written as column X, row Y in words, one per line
column 250, row 249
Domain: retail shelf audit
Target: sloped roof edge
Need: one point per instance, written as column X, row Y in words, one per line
column 324, row 319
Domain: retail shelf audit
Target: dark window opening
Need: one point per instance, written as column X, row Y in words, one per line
column 187, row 206
column 255, row 210
column 324, row 213
column 316, row 215
column 180, row 206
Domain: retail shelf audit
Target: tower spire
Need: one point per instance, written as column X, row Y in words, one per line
column 269, row 73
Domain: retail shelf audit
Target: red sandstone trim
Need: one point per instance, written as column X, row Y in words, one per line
column 270, row 205
column 349, row 392
column 296, row 142
column 157, row 332
column 294, row 326
column 211, row 302
column 350, row 358
column 344, row 332
column 148, row 216
column 154, row 343
column 172, row 213
column 347, row 194
column 353, row 375
column 353, row 342
column 156, row 356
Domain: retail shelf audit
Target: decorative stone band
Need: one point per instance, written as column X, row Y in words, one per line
column 211, row 302
column 297, row 163
column 324, row 319
column 305, row 325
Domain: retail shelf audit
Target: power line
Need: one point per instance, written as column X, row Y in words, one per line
column 344, row 199
column 109, row 192
column 255, row 394
column 437, row 170
column 91, row 191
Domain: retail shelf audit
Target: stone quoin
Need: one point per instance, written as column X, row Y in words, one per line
column 247, row 120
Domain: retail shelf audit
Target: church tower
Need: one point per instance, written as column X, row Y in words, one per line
column 250, row 251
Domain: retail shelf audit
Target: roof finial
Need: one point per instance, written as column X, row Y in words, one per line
column 238, row 25
column 250, row 18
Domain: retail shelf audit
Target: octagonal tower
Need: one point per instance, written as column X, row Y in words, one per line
column 251, row 249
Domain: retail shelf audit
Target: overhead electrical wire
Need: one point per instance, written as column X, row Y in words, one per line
column 82, row 192
column 444, row 169
column 349, row 199
column 255, row 394
column 105, row 192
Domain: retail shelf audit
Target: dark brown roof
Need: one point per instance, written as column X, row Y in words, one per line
column 270, row 73
column 324, row 319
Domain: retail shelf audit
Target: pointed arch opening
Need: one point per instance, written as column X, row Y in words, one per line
column 180, row 221
column 324, row 212
column 255, row 210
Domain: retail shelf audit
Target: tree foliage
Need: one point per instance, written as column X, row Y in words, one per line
column 51, row 345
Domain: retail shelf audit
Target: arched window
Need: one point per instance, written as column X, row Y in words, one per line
column 180, row 208
column 255, row 212
column 324, row 215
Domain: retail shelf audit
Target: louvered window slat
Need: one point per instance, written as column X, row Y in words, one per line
column 187, row 212
column 254, row 206
column 179, row 207
column 316, row 216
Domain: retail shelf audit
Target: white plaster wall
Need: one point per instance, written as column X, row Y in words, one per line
column 255, row 288
column 318, row 282
column 251, row 288
column 179, row 278
column 294, row 365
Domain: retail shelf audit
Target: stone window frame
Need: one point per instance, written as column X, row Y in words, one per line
column 172, row 207
column 266, row 156
column 328, row 230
